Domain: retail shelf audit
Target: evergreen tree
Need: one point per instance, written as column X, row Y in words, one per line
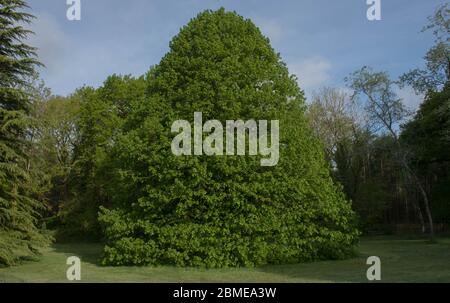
column 219, row 211
column 19, row 210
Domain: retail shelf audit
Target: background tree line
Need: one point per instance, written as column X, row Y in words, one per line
column 393, row 163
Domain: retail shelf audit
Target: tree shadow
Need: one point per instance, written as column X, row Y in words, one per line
column 349, row 270
column 88, row 252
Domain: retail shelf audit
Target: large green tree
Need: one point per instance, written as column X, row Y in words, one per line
column 220, row 211
column 428, row 138
column 427, row 134
column 19, row 209
column 54, row 138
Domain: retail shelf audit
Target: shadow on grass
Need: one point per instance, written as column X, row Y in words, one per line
column 88, row 252
column 403, row 260
column 352, row 269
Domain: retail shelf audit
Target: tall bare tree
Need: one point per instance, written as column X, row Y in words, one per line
column 332, row 117
column 386, row 113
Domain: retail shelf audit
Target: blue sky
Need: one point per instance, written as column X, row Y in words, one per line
column 321, row 41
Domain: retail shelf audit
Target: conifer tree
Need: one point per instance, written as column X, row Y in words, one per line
column 19, row 210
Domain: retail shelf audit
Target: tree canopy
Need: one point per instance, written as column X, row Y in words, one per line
column 224, row 210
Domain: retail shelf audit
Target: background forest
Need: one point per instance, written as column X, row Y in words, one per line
column 61, row 157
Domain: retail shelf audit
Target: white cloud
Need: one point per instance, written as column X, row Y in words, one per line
column 50, row 40
column 312, row 72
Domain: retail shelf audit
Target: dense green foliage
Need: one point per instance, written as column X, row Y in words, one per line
column 19, row 207
column 78, row 135
column 428, row 138
column 223, row 210
column 429, row 132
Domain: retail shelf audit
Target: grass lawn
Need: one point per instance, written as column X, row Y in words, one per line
column 402, row 260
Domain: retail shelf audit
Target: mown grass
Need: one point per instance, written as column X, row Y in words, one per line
column 402, row 260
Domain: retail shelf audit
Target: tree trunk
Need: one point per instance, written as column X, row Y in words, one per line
column 419, row 214
column 424, row 196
